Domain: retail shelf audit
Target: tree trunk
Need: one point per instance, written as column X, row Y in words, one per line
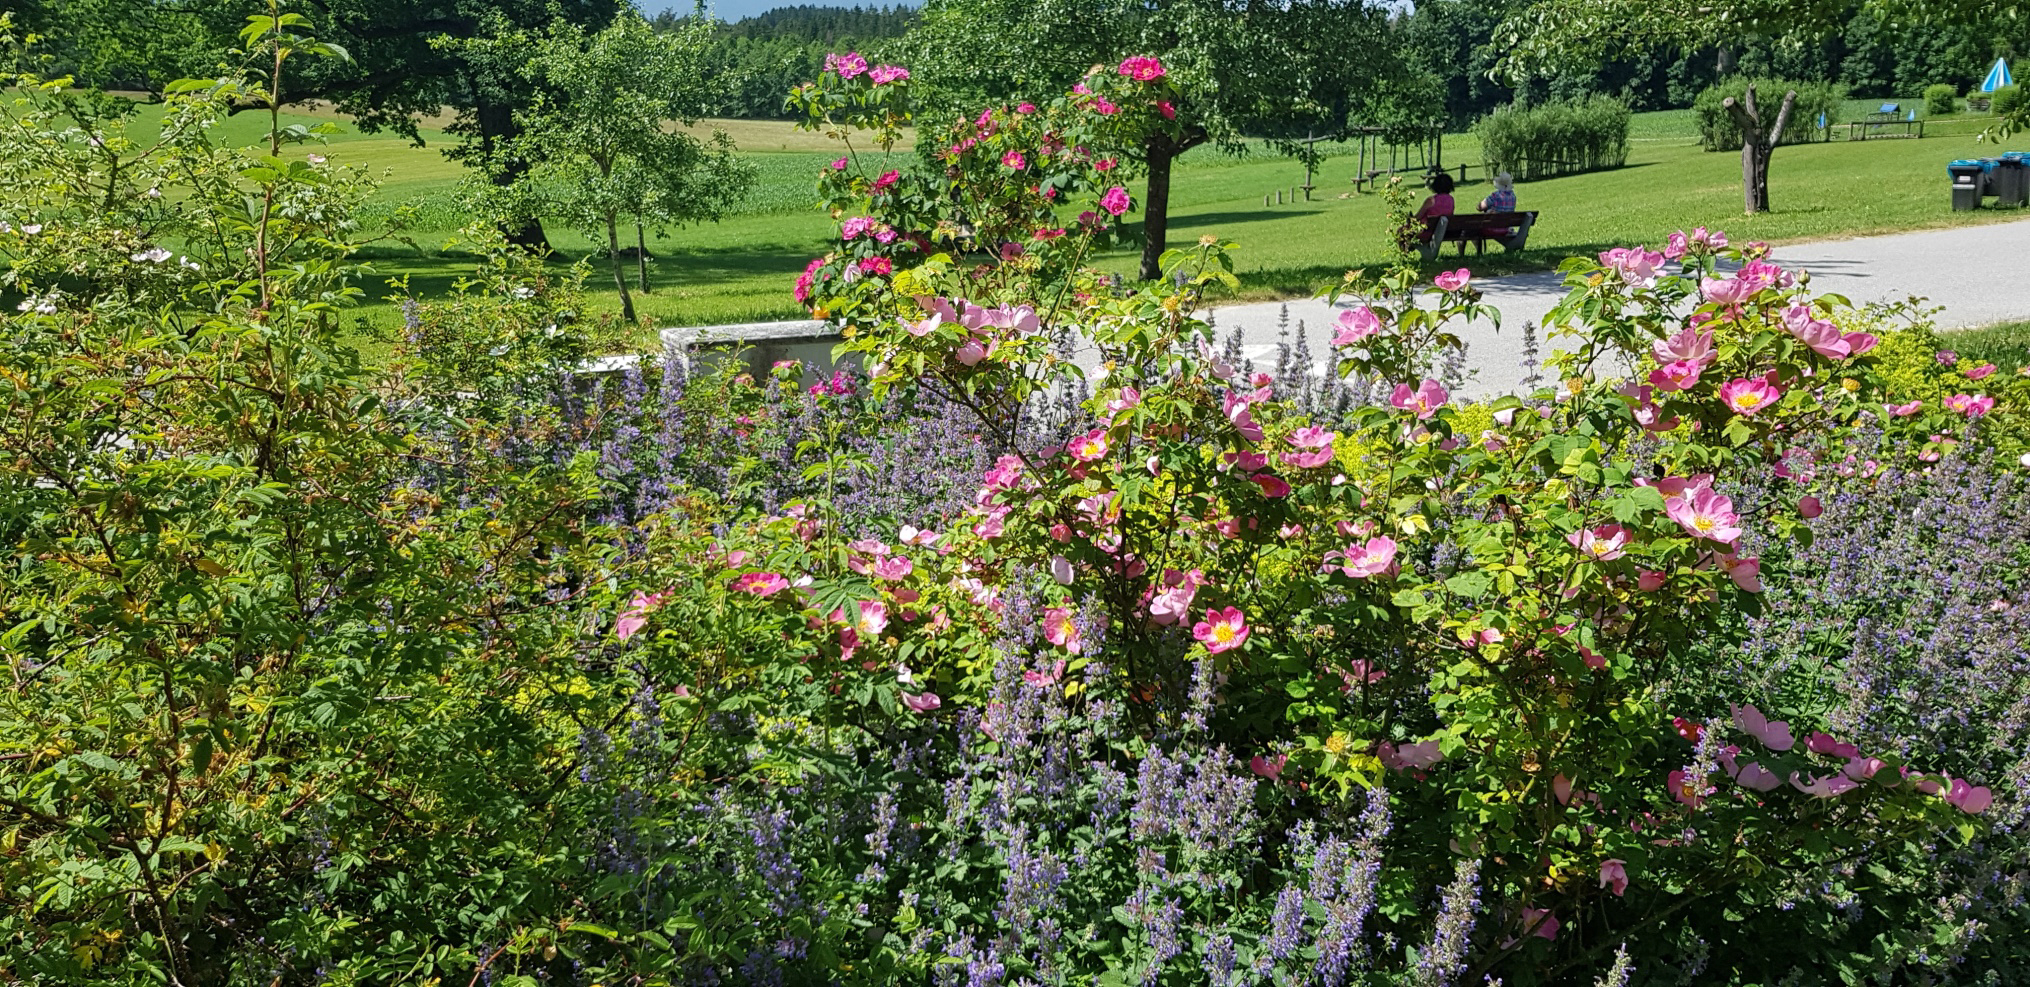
column 619, row 277
column 641, row 254
column 1754, row 176
column 497, row 131
column 1156, row 206
column 1757, row 143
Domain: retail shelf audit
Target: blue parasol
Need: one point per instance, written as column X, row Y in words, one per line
column 1997, row 77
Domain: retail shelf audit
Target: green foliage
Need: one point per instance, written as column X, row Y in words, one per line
column 1555, row 138
column 597, row 147
column 1718, row 130
column 1941, row 100
column 2006, row 100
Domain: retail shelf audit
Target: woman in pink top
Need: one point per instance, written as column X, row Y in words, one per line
column 1440, row 202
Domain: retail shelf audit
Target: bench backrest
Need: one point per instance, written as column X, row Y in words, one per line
column 1468, row 222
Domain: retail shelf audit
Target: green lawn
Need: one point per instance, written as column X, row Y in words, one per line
column 741, row 269
column 2006, row 345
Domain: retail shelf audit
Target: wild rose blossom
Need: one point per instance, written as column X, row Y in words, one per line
column 1060, row 629
column 1356, row 324
column 1773, row 735
column 1090, row 446
column 1421, row 756
column 1705, row 514
column 1453, row 280
column 921, row 702
column 1173, row 602
column 882, row 75
column 1141, row 68
column 1374, row 558
column 1745, row 572
column 1268, row 767
column 762, row 584
column 1748, row 395
column 1678, row 376
column 1688, row 345
column 1614, row 874
column 1015, row 160
column 849, row 65
column 1603, row 543
column 1425, row 400
column 1221, row 630
column 1635, row 265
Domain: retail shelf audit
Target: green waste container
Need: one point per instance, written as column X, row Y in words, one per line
column 1969, row 181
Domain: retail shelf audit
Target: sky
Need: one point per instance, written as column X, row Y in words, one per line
column 733, row 10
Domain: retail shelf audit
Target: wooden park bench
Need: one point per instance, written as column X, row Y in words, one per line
column 1510, row 229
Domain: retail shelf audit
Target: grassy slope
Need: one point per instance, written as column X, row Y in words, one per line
column 740, row 269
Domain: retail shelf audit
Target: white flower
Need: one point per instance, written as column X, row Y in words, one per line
column 316, row 159
column 45, row 305
column 31, row 229
column 524, row 291
column 188, row 264
column 4, row 228
column 152, row 255
column 152, row 193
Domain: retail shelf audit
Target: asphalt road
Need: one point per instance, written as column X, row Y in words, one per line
column 1978, row 275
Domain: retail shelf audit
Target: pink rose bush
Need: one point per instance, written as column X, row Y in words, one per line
column 1479, row 610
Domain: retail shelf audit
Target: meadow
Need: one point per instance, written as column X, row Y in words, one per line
column 739, row 269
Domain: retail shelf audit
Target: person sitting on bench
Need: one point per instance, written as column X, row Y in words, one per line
column 1440, row 201
column 1502, row 199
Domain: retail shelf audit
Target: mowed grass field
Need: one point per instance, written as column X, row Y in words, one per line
column 741, row 269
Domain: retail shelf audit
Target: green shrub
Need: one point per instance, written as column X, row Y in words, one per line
column 2005, row 100
column 1718, row 132
column 1940, row 100
column 1555, row 138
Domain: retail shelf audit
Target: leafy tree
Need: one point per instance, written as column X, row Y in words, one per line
column 402, row 71
column 598, row 140
column 1548, row 37
column 1282, row 71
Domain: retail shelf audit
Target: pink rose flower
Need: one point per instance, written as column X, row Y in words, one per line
column 1603, row 543
column 1705, row 514
column 882, row 75
column 1614, row 874
column 1221, row 630
column 1410, row 757
column 1141, row 68
column 847, row 66
column 1773, row 735
column 1453, row 280
column 1649, row 580
column 1115, row 202
column 1372, row 559
column 762, row 584
column 1688, row 345
column 1425, row 400
column 1746, row 573
column 1356, row 324
column 1272, row 486
column 1809, row 507
column 1060, row 630
column 921, row 703
column 1268, row 767
column 1015, row 160
column 1748, row 395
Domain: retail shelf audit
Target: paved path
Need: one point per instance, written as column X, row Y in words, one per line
column 1978, row 274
